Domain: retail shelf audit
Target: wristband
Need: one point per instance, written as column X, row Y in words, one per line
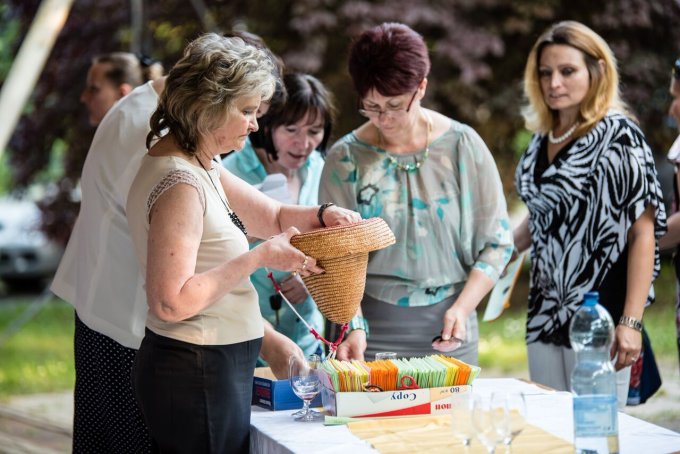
column 319, row 214
column 358, row 322
column 631, row 322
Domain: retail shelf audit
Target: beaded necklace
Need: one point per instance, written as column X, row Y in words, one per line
column 409, row 167
column 555, row 140
column 232, row 214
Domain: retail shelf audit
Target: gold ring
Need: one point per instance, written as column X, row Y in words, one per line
column 304, row 264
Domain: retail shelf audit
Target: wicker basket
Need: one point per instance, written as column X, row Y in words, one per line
column 343, row 252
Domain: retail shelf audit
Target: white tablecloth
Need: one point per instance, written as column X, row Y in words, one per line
column 276, row 432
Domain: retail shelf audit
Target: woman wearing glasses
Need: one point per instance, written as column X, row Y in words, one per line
column 435, row 183
column 595, row 205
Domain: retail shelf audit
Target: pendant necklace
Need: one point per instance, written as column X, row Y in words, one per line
column 409, row 167
column 232, row 214
column 555, row 140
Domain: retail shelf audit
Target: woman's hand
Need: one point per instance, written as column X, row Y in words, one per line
column 455, row 319
column 626, row 347
column 294, row 289
column 279, row 254
column 335, row 215
column 353, row 346
column 276, row 349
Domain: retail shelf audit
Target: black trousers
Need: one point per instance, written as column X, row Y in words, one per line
column 195, row 398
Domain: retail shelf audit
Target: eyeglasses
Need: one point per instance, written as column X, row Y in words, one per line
column 391, row 111
column 676, row 69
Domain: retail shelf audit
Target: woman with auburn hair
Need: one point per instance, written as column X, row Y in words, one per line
column 595, row 205
column 436, row 184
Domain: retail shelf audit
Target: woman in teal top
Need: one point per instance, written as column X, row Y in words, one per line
column 289, row 146
column 435, row 183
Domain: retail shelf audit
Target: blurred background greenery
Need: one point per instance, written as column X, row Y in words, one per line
column 39, row 357
column 478, row 50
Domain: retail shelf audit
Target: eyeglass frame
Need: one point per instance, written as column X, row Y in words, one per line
column 676, row 69
column 377, row 113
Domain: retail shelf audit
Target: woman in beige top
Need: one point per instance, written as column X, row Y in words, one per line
column 193, row 372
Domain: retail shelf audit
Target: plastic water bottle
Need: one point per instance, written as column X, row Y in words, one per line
column 593, row 380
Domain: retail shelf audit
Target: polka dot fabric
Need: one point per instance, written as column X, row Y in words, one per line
column 106, row 416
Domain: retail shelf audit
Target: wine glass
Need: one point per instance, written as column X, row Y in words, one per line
column 461, row 417
column 301, row 411
column 516, row 407
column 305, row 382
column 491, row 422
column 381, row 356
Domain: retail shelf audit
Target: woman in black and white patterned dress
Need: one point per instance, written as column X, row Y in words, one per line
column 595, row 205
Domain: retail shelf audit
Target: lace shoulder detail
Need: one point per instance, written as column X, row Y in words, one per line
column 170, row 180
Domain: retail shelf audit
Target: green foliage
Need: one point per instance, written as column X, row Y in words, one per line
column 478, row 51
column 5, row 175
column 9, row 31
column 39, row 357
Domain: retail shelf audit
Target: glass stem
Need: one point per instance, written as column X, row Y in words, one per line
column 305, row 406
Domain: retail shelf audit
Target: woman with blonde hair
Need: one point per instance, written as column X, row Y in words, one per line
column 595, row 205
column 188, row 219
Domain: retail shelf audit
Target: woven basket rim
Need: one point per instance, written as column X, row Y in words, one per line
column 342, row 240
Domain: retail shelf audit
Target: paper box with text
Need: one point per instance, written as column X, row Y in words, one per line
column 406, row 402
column 273, row 394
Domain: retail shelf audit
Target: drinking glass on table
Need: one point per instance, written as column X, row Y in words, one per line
column 490, row 421
column 305, row 381
column 461, row 417
column 516, row 407
column 380, row 356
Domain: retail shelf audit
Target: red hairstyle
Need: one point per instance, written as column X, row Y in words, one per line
column 390, row 58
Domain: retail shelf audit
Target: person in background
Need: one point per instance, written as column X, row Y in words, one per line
column 193, row 372
column 93, row 274
column 595, row 205
column 672, row 238
column 435, row 183
column 290, row 142
column 112, row 76
column 99, row 276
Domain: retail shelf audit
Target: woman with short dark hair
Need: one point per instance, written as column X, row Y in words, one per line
column 435, row 183
column 290, row 142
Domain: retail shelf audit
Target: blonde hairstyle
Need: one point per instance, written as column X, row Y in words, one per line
column 603, row 93
column 202, row 87
column 127, row 68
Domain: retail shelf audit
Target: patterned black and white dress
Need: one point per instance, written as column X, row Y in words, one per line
column 580, row 209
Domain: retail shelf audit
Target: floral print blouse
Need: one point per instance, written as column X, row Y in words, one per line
column 449, row 216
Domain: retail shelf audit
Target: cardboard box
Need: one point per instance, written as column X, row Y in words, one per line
column 273, row 394
column 407, row 402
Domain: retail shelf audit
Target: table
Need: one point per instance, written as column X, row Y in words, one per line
column 277, row 432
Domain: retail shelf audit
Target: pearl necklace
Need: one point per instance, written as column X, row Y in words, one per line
column 555, row 140
column 409, row 167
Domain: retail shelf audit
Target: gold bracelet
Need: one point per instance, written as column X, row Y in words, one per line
column 631, row 322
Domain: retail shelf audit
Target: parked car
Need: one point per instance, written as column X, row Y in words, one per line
column 28, row 259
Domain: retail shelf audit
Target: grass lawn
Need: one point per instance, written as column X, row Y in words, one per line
column 39, row 357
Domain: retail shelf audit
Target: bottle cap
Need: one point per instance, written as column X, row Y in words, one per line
column 591, row 298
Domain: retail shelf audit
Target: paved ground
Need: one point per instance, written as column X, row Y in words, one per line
column 41, row 423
